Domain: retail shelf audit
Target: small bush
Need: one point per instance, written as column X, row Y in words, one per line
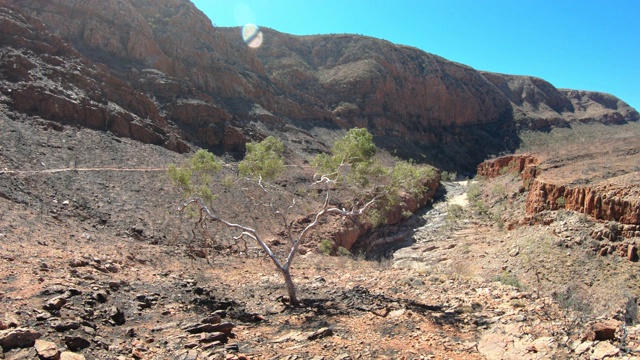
column 342, row 251
column 448, row 176
column 326, row 247
column 454, row 212
column 561, row 202
column 507, row 278
column 263, row 160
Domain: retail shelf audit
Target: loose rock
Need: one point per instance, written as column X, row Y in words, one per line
column 47, row 350
column 18, row 338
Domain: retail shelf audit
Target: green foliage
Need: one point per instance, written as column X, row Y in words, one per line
column 561, row 202
column 499, row 190
column 263, row 160
column 411, row 178
column 357, row 150
column 325, row 247
column 507, row 278
column 342, row 251
column 194, row 177
column 228, row 181
column 455, row 212
column 473, row 192
column 448, row 176
column 352, row 158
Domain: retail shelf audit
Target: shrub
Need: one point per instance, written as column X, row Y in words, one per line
column 263, row 160
column 342, row 251
column 454, row 212
column 507, row 278
column 325, row 247
column 448, row 176
column 195, row 176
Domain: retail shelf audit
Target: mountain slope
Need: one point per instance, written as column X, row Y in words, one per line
column 202, row 85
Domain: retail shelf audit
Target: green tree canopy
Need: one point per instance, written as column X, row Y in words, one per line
column 194, row 177
column 263, row 159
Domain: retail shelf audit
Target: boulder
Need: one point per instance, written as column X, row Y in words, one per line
column 18, row 338
column 47, row 350
column 67, row 355
column 603, row 331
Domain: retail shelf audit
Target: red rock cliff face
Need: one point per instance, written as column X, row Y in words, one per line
column 43, row 76
column 539, row 105
column 205, row 84
column 608, row 201
column 509, row 163
column 606, row 193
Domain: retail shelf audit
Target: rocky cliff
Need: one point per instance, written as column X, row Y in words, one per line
column 163, row 67
column 581, row 179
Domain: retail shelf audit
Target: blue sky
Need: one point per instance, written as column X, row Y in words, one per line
column 584, row 45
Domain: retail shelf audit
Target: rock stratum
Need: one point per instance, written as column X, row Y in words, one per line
column 161, row 73
column 599, row 179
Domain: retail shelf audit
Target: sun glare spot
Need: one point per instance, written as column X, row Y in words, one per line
column 252, row 35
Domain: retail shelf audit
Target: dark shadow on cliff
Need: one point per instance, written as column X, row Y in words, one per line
column 459, row 148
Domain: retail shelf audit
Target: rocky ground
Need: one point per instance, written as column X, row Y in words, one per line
column 95, row 266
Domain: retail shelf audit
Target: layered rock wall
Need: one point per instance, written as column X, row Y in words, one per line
column 169, row 76
column 615, row 199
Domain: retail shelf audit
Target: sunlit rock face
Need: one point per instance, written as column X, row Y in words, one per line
column 207, row 84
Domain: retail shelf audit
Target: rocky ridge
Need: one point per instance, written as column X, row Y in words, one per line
column 165, row 68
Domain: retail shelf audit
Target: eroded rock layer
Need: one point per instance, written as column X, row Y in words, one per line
column 160, row 72
column 581, row 178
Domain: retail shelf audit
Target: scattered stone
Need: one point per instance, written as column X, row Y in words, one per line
column 42, row 316
column 47, row 350
column 55, row 304
column 66, row 325
column 100, row 296
column 67, row 355
column 320, row 333
column 54, row 289
column 604, row 349
column 137, row 354
column 583, row 347
column 117, row 316
column 114, row 285
column 225, row 327
column 213, row 319
column 146, row 301
column 18, row 338
column 215, row 336
column 164, row 327
column 188, row 355
column 23, row 354
column 111, row 267
column 78, row 262
column 632, row 253
column 75, row 343
column 605, row 330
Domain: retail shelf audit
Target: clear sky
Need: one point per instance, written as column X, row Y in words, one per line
column 583, row 45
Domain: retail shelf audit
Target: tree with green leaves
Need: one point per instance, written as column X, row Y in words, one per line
column 351, row 161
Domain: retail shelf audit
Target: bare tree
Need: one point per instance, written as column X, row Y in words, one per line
column 294, row 239
column 352, row 161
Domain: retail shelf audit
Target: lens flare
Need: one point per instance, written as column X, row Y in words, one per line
column 252, row 35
